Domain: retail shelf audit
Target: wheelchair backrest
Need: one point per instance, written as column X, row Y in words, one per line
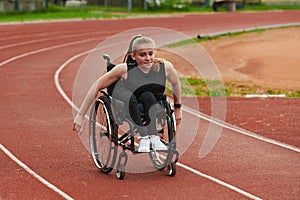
column 110, row 66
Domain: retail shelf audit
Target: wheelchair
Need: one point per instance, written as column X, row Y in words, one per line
column 105, row 138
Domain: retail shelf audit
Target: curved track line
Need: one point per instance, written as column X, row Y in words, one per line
column 239, row 130
column 8, row 153
column 43, row 50
column 219, row 182
column 48, row 39
column 35, row 175
column 69, row 101
column 274, row 26
column 29, row 35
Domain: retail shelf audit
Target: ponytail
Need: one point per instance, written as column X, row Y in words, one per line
column 127, row 57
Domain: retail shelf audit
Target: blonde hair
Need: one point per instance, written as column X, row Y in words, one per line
column 135, row 42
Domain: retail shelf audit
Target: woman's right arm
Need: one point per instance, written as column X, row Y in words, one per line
column 103, row 82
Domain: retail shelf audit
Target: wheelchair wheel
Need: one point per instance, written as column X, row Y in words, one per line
column 172, row 169
column 123, row 158
column 162, row 159
column 103, row 143
column 121, row 172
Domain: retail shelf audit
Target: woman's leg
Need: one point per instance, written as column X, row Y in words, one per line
column 151, row 108
column 131, row 109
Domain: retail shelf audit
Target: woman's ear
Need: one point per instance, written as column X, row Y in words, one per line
column 132, row 56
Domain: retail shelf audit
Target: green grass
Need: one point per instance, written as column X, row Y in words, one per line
column 229, row 34
column 216, row 88
column 263, row 7
column 95, row 12
column 57, row 12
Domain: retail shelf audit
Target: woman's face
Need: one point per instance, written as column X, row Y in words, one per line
column 144, row 55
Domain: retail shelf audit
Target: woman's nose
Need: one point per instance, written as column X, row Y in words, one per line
column 148, row 57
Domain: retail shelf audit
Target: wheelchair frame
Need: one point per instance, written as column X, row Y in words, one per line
column 106, row 115
column 105, row 138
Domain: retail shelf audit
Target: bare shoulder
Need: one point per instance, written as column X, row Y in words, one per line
column 121, row 66
column 119, row 70
column 169, row 67
column 168, row 64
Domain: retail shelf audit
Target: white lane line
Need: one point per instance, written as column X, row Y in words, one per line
column 275, row 26
column 30, row 35
column 69, row 101
column 265, row 95
column 239, row 130
column 30, row 171
column 238, row 190
column 43, row 50
column 20, row 163
column 56, row 79
column 50, row 39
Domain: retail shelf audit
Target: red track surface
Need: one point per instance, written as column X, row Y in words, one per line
column 36, row 121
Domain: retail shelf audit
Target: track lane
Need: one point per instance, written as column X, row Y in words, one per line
column 235, row 150
column 31, row 177
column 259, row 168
column 89, row 160
column 45, row 144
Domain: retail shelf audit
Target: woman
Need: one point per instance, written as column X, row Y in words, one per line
column 142, row 78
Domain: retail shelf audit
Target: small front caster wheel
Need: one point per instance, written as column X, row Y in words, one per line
column 172, row 169
column 121, row 172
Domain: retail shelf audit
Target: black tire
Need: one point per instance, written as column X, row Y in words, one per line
column 161, row 159
column 103, row 144
column 121, row 172
column 172, row 169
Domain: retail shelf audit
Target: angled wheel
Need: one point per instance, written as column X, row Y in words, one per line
column 161, row 159
column 103, row 144
column 121, row 172
column 123, row 158
column 172, row 169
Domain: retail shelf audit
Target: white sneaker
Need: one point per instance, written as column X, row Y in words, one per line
column 144, row 145
column 157, row 145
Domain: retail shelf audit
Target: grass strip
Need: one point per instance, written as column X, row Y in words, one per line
column 200, row 87
column 55, row 12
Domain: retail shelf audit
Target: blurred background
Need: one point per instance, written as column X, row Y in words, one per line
column 8, row 6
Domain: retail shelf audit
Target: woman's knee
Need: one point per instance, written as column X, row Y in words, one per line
column 148, row 97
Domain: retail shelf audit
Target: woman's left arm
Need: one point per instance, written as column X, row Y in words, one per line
column 173, row 78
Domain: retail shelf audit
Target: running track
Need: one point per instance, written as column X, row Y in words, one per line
column 36, row 122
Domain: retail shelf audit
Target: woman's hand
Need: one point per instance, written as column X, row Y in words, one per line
column 77, row 123
column 178, row 115
column 76, row 127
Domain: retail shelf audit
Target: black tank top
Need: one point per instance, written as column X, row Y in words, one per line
column 139, row 82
